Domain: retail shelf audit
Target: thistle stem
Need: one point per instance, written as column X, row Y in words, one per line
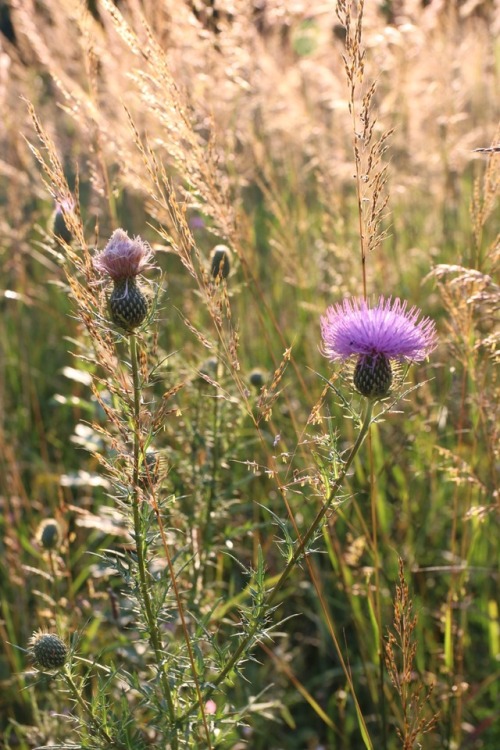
column 154, row 633
column 299, row 551
column 93, row 721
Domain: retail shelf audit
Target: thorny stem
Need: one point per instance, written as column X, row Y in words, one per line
column 154, row 634
column 299, row 551
column 325, row 507
column 93, row 721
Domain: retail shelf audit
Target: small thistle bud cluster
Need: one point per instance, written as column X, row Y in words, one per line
column 220, row 262
column 123, row 259
column 48, row 534
column 47, row 650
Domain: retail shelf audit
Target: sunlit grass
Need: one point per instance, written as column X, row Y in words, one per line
column 235, row 128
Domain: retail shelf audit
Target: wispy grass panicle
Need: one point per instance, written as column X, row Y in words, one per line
column 418, row 718
column 369, row 141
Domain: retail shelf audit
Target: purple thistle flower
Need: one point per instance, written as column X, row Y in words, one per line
column 376, row 335
column 123, row 258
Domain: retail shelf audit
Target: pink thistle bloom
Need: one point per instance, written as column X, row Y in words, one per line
column 376, row 335
column 355, row 328
column 123, row 258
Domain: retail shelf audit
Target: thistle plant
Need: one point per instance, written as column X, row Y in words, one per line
column 48, row 534
column 220, row 262
column 200, row 449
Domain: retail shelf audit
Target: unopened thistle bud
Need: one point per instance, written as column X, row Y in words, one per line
column 257, row 378
column 123, row 260
column 59, row 227
column 48, row 534
column 47, row 650
column 220, row 262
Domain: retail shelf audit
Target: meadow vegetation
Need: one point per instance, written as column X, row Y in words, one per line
column 189, row 509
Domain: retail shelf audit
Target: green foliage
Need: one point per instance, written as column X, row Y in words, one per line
column 218, row 580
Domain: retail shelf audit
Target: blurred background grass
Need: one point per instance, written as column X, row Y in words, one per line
column 245, row 107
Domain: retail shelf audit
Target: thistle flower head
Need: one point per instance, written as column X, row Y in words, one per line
column 376, row 335
column 47, row 650
column 123, row 258
column 257, row 377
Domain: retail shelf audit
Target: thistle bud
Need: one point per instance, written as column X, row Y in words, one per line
column 220, row 262
column 373, row 376
column 48, row 534
column 257, row 378
column 59, row 226
column 47, row 650
column 128, row 306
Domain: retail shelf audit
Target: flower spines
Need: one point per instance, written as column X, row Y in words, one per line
column 128, row 305
column 123, row 257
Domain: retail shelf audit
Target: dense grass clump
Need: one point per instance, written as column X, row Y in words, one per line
column 249, row 355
